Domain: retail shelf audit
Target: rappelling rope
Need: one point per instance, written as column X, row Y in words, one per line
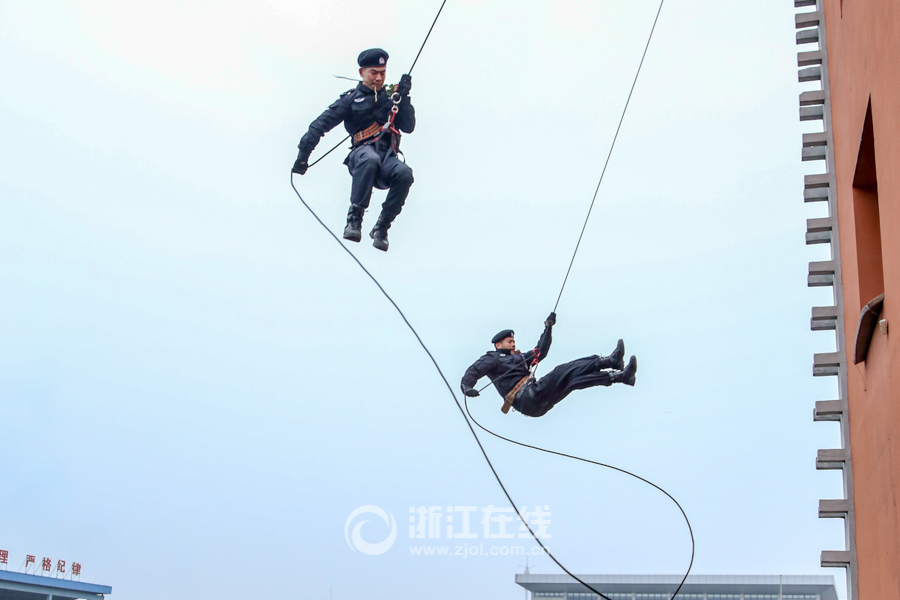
column 609, row 154
column 464, row 412
column 599, row 464
column 571, row 262
column 449, row 388
column 419, row 53
column 603, row 172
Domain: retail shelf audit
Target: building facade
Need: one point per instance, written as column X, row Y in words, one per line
column 697, row 587
column 849, row 52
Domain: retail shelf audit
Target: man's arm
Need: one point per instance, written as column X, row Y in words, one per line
column 406, row 115
column 327, row 121
column 478, row 370
column 543, row 345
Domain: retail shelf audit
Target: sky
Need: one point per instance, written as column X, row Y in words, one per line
column 199, row 388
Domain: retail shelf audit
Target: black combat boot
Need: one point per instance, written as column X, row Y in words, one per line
column 379, row 233
column 626, row 376
column 353, row 230
column 616, row 360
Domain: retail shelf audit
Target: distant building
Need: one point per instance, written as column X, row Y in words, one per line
column 850, row 51
column 697, row 587
column 22, row 586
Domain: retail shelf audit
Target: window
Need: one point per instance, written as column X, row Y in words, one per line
column 866, row 216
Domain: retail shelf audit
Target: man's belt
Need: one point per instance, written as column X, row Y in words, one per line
column 508, row 399
column 369, row 132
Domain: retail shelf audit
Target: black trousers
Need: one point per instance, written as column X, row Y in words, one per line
column 539, row 396
column 375, row 164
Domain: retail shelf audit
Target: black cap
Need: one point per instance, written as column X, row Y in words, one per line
column 373, row 57
column 503, row 335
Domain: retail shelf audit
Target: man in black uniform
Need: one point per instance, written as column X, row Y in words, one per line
column 508, row 369
column 370, row 116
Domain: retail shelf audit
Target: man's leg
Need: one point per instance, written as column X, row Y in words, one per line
column 579, row 374
column 568, row 377
column 398, row 177
column 364, row 165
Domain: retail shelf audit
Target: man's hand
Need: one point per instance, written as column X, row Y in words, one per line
column 472, row 393
column 300, row 166
column 551, row 320
column 405, row 85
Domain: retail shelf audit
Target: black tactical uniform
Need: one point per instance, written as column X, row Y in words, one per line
column 535, row 397
column 373, row 160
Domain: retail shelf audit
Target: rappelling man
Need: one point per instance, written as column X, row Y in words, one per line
column 374, row 118
column 509, row 371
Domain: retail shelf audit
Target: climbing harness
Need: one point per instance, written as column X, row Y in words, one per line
column 369, row 132
column 466, row 414
column 511, row 396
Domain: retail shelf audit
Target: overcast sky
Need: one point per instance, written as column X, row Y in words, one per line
column 198, row 387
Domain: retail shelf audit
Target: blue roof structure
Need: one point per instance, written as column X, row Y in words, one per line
column 21, row 586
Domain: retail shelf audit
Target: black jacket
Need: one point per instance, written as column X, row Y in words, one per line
column 505, row 369
column 358, row 109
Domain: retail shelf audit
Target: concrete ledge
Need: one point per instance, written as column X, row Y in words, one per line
column 835, row 558
column 811, row 140
column 812, row 97
column 812, row 113
column 834, row 509
column 820, row 281
column 806, row 59
column 814, row 153
column 824, row 224
column 816, row 195
column 817, row 180
column 810, row 74
column 818, row 237
column 807, row 19
column 818, row 231
column 826, row 364
column 828, row 410
column 821, row 273
column 831, row 459
column 808, row 36
column 823, row 318
column 821, row 267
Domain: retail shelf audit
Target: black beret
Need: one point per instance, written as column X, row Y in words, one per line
column 373, row 57
column 503, row 335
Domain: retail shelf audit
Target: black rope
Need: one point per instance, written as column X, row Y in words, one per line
column 313, row 163
column 449, row 389
column 613, row 145
column 465, row 412
column 602, row 173
column 599, row 464
column 427, row 35
column 422, row 47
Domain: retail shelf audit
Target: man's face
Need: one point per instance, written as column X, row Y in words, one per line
column 373, row 77
column 507, row 343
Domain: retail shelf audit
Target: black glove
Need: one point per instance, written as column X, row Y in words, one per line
column 300, row 166
column 405, row 85
column 472, row 393
column 551, row 320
